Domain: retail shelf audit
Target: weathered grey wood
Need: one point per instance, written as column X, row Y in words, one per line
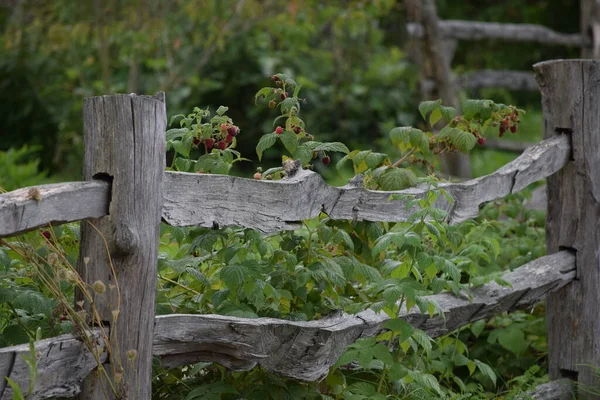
column 473, row 30
column 435, row 65
column 486, row 78
column 269, row 206
column 63, row 362
column 306, row 350
column 590, row 27
column 125, row 140
column 571, row 102
column 561, row 389
column 33, row 207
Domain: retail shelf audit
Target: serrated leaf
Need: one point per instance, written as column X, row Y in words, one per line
column 332, row 146
column 233, row 275
column 428, row 106
column 303, row 154
column 289, row 140
column 403, row 328
column 222, row 110
column 397, row 179
column 382, row 353
column 463, row 141
column 478, row 109
column 264, row 143
column 262, row 93
column 448, row 113
column 513, row 339
column 400, row 135
column 419, row 140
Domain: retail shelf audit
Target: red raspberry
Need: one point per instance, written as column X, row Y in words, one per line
column 229, row 138
column 481, row 141
column 222, row 145
column 196, row 141
column 513, row 129
column 279, row 130
column 210, row 142
column 326, row 160
column 257, row 175
column 283, row 95
column 297, row 129
column 502, row 129
column 224, row 127
column 275, row 78
column 46, row 234
column 233, row 130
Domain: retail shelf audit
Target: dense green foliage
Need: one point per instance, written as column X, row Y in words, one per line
column 358, row 84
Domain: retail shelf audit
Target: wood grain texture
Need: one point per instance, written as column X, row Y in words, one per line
column 472, row 30
column 306, row 350
column 125, row 140
column 37, row 206
column 269, row 206
column 63, row 363
column 571, row 103
column 561, row 389
column 490, row 78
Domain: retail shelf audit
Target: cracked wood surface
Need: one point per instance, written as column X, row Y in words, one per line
column 306, row 350
column 63, row 363
column 472, row 30
column 561, row 389
column 269, row 206
column 37, row 206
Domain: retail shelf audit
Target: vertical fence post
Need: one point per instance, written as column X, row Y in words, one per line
column 124, row 143
column 571, row 104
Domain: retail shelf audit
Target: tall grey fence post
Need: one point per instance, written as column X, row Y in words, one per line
column 125, row 144
column 571, row 104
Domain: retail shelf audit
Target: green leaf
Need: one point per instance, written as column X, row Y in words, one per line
column 382, row 353
column 419, row 140
column 264, row 92
column 422, row 339
column 486, row 370
column 448, row 113
column 397, row 179
column 222, row 110
column 264, row 143
column 513, row 340
column 17, row 392
column 400, row 135
column 233, row 275
column 403, row 328
column 304, row 154
column 332, row 146
column 289, row 140
column 428, row 106
column 463, row 141
column 478, row 109
column 478, row 327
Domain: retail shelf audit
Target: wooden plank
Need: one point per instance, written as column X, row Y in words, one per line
column 63, row 362
column 125, row 139
column 269, row 206
column 37, row 206
column 571, row 100
column 474, row 30
column 561, row 389
column 491, row 78
column 306, row 350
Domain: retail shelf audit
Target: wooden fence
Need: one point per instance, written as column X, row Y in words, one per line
column 437, row 40
column 126, row 192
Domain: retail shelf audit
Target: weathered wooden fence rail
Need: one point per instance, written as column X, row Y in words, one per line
column 127, row 204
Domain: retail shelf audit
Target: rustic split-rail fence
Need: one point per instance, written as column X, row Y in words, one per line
column 126, row 193
column 434, row 42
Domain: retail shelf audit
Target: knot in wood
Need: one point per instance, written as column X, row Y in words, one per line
column 125, row 240
column 291, row 167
